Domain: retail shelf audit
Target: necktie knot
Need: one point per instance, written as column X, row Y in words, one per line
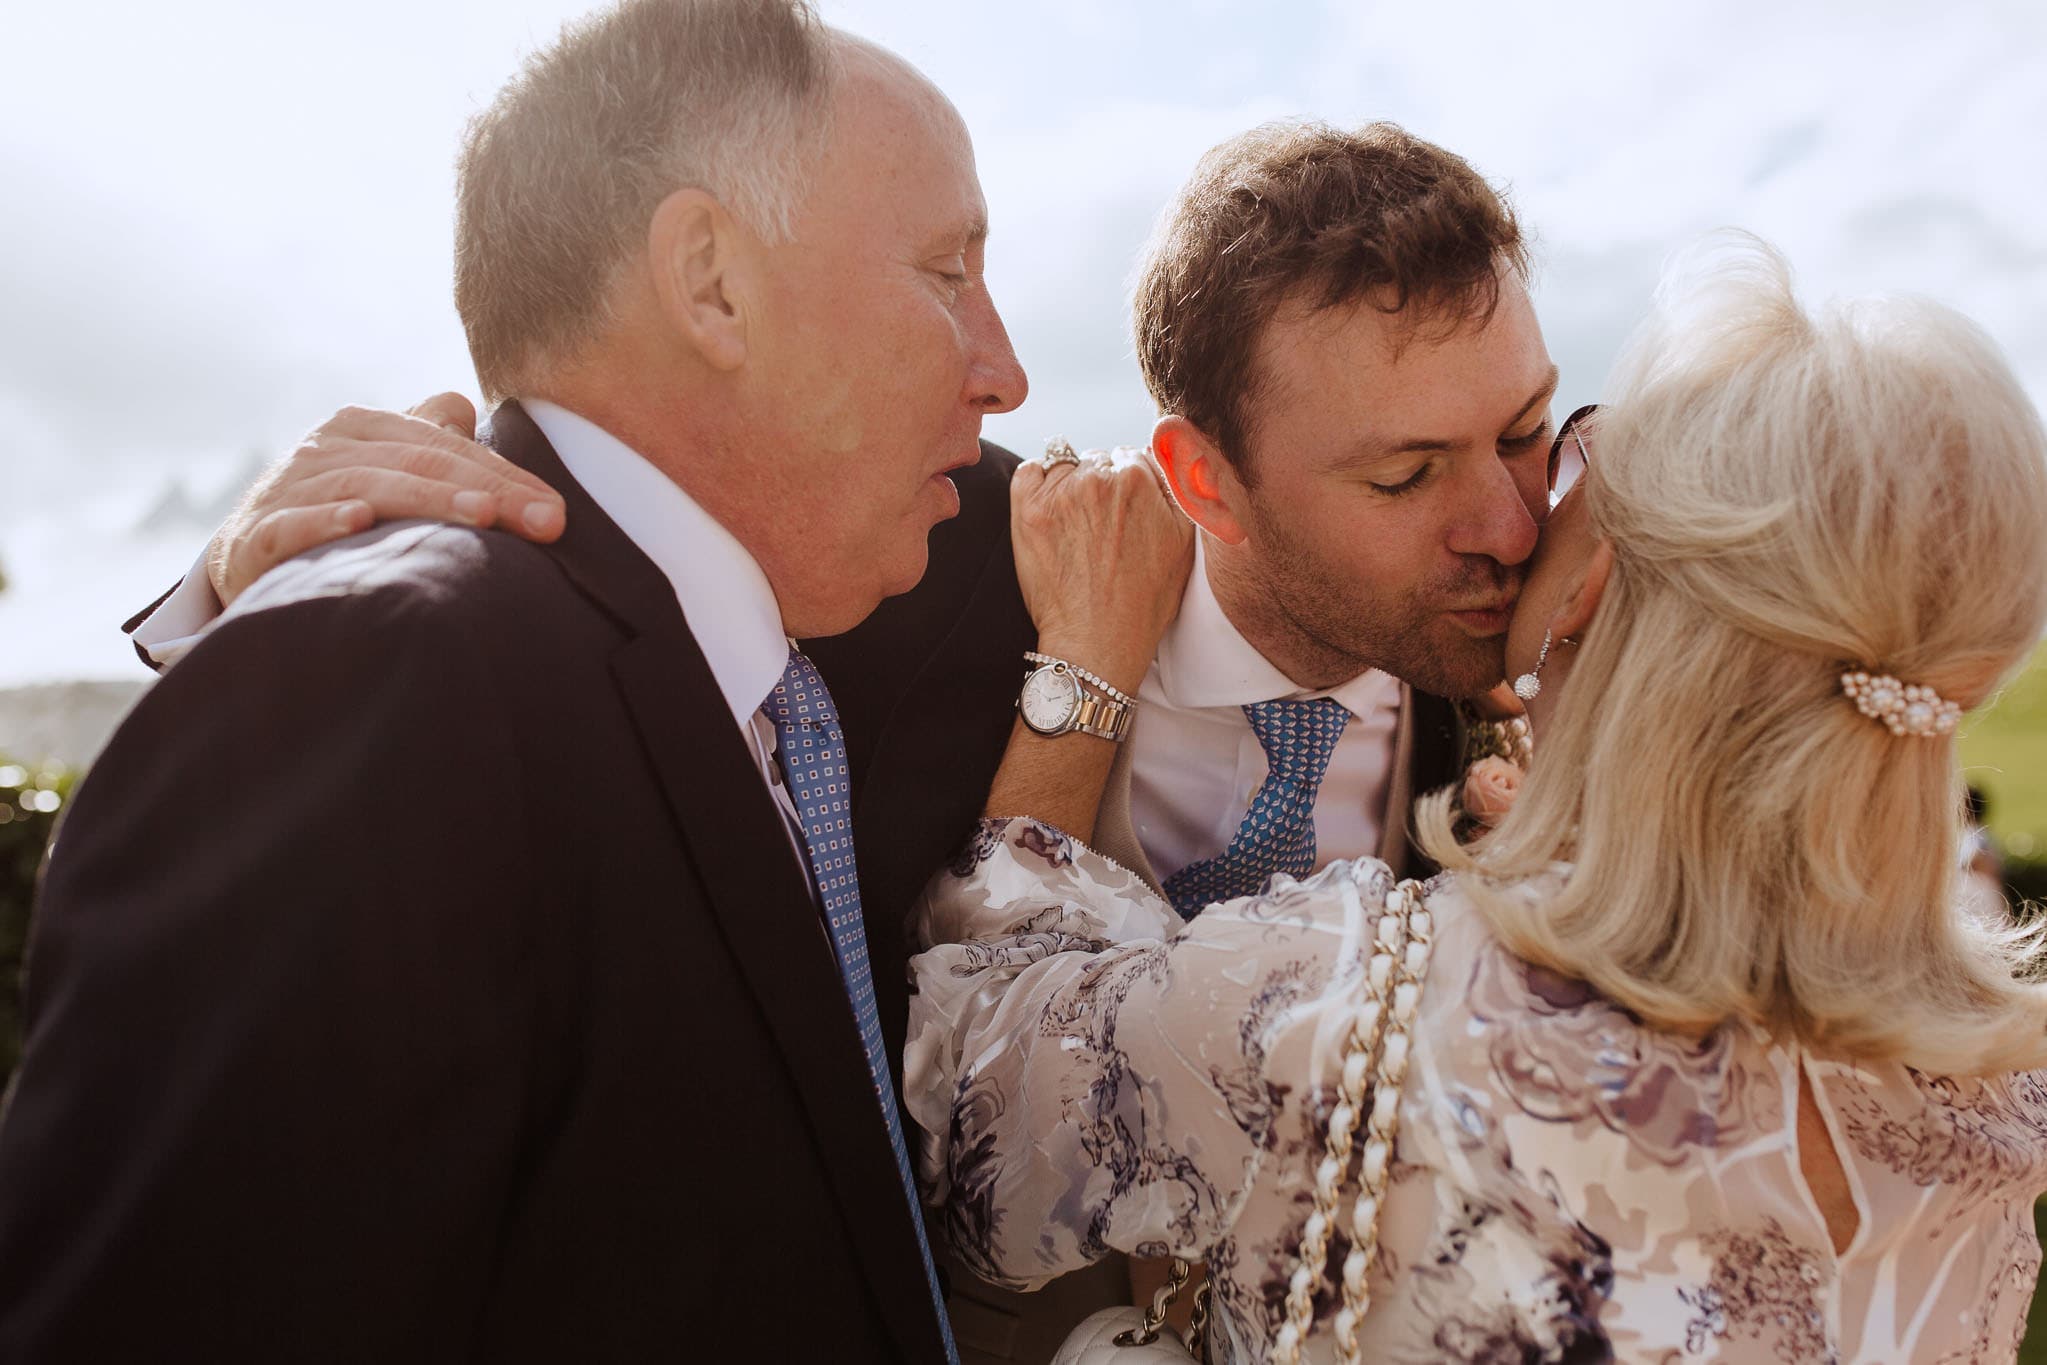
column 801, row 699
column 1298, row 736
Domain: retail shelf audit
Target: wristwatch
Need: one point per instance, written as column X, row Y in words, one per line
column 1060, row 698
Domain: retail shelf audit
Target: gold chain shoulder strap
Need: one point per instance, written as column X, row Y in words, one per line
column 1154, row 1321
column 1378, row 1049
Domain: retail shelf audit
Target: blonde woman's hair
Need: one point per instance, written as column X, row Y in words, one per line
column 1787, row 495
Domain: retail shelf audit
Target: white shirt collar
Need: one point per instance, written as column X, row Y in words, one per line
column 726, row 599
column 1205, row 661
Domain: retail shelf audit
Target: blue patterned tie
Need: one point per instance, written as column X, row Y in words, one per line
column 812, row 751
column 1278, row 833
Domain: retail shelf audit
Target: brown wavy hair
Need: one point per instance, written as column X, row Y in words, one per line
column 1326, row 216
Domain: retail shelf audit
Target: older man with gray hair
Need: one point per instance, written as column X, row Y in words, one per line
column 458, row 954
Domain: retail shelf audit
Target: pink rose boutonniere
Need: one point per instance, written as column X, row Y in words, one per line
column 1490, row 786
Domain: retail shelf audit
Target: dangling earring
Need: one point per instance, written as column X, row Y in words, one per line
column 1529, row 685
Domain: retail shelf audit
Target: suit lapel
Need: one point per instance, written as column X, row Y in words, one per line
column 771, row 925
column 974, row 661
column 924, row 687
column 933, row 760
column 1430, row 745
column 1393, row 820
column 754, row 887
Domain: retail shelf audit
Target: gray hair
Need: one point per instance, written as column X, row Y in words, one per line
column 559, row 178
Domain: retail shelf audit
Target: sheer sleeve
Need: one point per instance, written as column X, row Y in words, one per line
column 1093, row 1075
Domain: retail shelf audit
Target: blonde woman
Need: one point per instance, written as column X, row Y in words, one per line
column 1706, row 1063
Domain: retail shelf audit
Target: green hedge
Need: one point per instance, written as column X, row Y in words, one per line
column 2026, row 881
column 29, row 802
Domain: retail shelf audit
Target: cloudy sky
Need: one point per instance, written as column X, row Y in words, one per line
column 225, row 218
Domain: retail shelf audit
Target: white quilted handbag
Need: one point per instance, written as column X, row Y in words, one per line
column 1094, row 1342
column 1376, row 1052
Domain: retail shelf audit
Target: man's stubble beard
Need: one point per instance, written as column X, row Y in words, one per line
column 1335, row 629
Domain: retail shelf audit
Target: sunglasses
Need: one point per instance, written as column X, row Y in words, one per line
column 1568, row 454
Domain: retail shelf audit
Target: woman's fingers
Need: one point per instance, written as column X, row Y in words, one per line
column 281, row 535
column 423, row 441
column 395, row 465
column 330, row 506
column 450, row 411
column 1101, row 553
column 502, row 494
column 395, row 492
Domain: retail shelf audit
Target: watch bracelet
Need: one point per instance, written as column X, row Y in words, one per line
column 1117, row 727
column 1113, row 692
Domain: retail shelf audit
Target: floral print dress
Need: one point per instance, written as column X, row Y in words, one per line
column 1091, row 1074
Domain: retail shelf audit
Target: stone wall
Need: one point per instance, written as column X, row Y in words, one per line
column 62, row 723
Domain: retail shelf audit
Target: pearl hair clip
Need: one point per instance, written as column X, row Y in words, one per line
column 1902, row 708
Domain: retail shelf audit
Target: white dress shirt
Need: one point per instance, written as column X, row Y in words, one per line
column 724, row 595
column 1195, row 762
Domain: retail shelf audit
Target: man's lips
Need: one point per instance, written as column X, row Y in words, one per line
column 1486, row 619
column 952, row 493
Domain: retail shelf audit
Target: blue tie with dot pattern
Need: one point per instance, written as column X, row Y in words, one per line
column 1278, row 833
column 812, row 751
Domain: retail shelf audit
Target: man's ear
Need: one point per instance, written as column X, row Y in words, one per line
column 1201, row 480
column 1578, row 609
column 700, row 274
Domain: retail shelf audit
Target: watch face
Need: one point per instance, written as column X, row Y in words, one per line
column 1049, row 700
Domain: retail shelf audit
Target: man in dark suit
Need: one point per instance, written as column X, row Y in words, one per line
column 926, row 689
column 458, row 955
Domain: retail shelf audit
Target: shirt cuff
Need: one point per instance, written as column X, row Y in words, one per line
column 180, row 620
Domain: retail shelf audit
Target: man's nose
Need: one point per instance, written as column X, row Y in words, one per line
column 995, row 377
column 1499, row 520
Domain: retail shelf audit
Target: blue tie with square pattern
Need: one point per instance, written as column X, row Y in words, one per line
column 1278, row 832
column 812, row 750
